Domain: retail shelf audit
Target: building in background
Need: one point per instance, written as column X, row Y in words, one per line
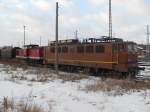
column 143, row 53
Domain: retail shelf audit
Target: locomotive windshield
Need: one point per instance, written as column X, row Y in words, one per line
column 132, row 47
column 119, row 47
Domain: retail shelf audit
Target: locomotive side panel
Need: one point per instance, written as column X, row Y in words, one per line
column 71, row 55
column 22, row 53
column 36, row 53
column 122, row 62
column 94, row 55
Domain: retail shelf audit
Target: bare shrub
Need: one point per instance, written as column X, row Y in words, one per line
column 8, row 104
column 128, row 84
column 14, row 76
column 96, row 86
column 36, row 108
column 43, row 78
column 50, row 107
column 6, row 70
column 40, row 78
column 25, row 107
column 23, row 77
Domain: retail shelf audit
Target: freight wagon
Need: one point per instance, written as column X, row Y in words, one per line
column 9, row 52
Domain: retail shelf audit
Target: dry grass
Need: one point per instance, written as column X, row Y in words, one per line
column 119, row 86
column 30, row 108
column 14, row 62
column 71, row 77
column 40, row 78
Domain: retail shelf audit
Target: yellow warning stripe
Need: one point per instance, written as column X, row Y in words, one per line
column 84, row 61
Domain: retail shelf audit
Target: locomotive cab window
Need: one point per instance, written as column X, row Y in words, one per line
column 59, row 49
column 89, row 49
column 52, row 49
column 64, row 49
column 115, row 48
column 72, row 49
column 100, row 49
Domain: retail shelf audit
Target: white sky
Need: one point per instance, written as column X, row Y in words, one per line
column 90, row 17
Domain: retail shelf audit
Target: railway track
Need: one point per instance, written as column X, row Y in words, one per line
column 142, row 78
column 145, row 76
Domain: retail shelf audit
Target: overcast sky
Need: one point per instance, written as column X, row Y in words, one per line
column 89, row 17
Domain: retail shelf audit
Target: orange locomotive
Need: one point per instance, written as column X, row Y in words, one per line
column 98, row 55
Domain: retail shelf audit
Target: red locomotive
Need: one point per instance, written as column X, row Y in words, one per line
column 31, row 54
column 22, row 53
column 36, row 54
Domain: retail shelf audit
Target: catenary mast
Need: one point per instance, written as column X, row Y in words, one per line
column 56, row 44
column 110, row 20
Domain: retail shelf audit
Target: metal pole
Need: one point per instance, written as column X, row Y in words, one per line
column 110, row 31
column 148, row 40
column 24, row 35
column 56, row 44
column 40, row 40
column 76, row 34
column 110, row 20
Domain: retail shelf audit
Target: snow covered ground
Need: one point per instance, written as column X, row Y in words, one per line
column 65, row 96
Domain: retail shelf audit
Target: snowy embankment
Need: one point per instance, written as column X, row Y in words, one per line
column 59, row 94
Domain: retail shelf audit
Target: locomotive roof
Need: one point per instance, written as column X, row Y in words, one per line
column 7, row 47
column 103, row 39
column 130, row 42
column 31, row 46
